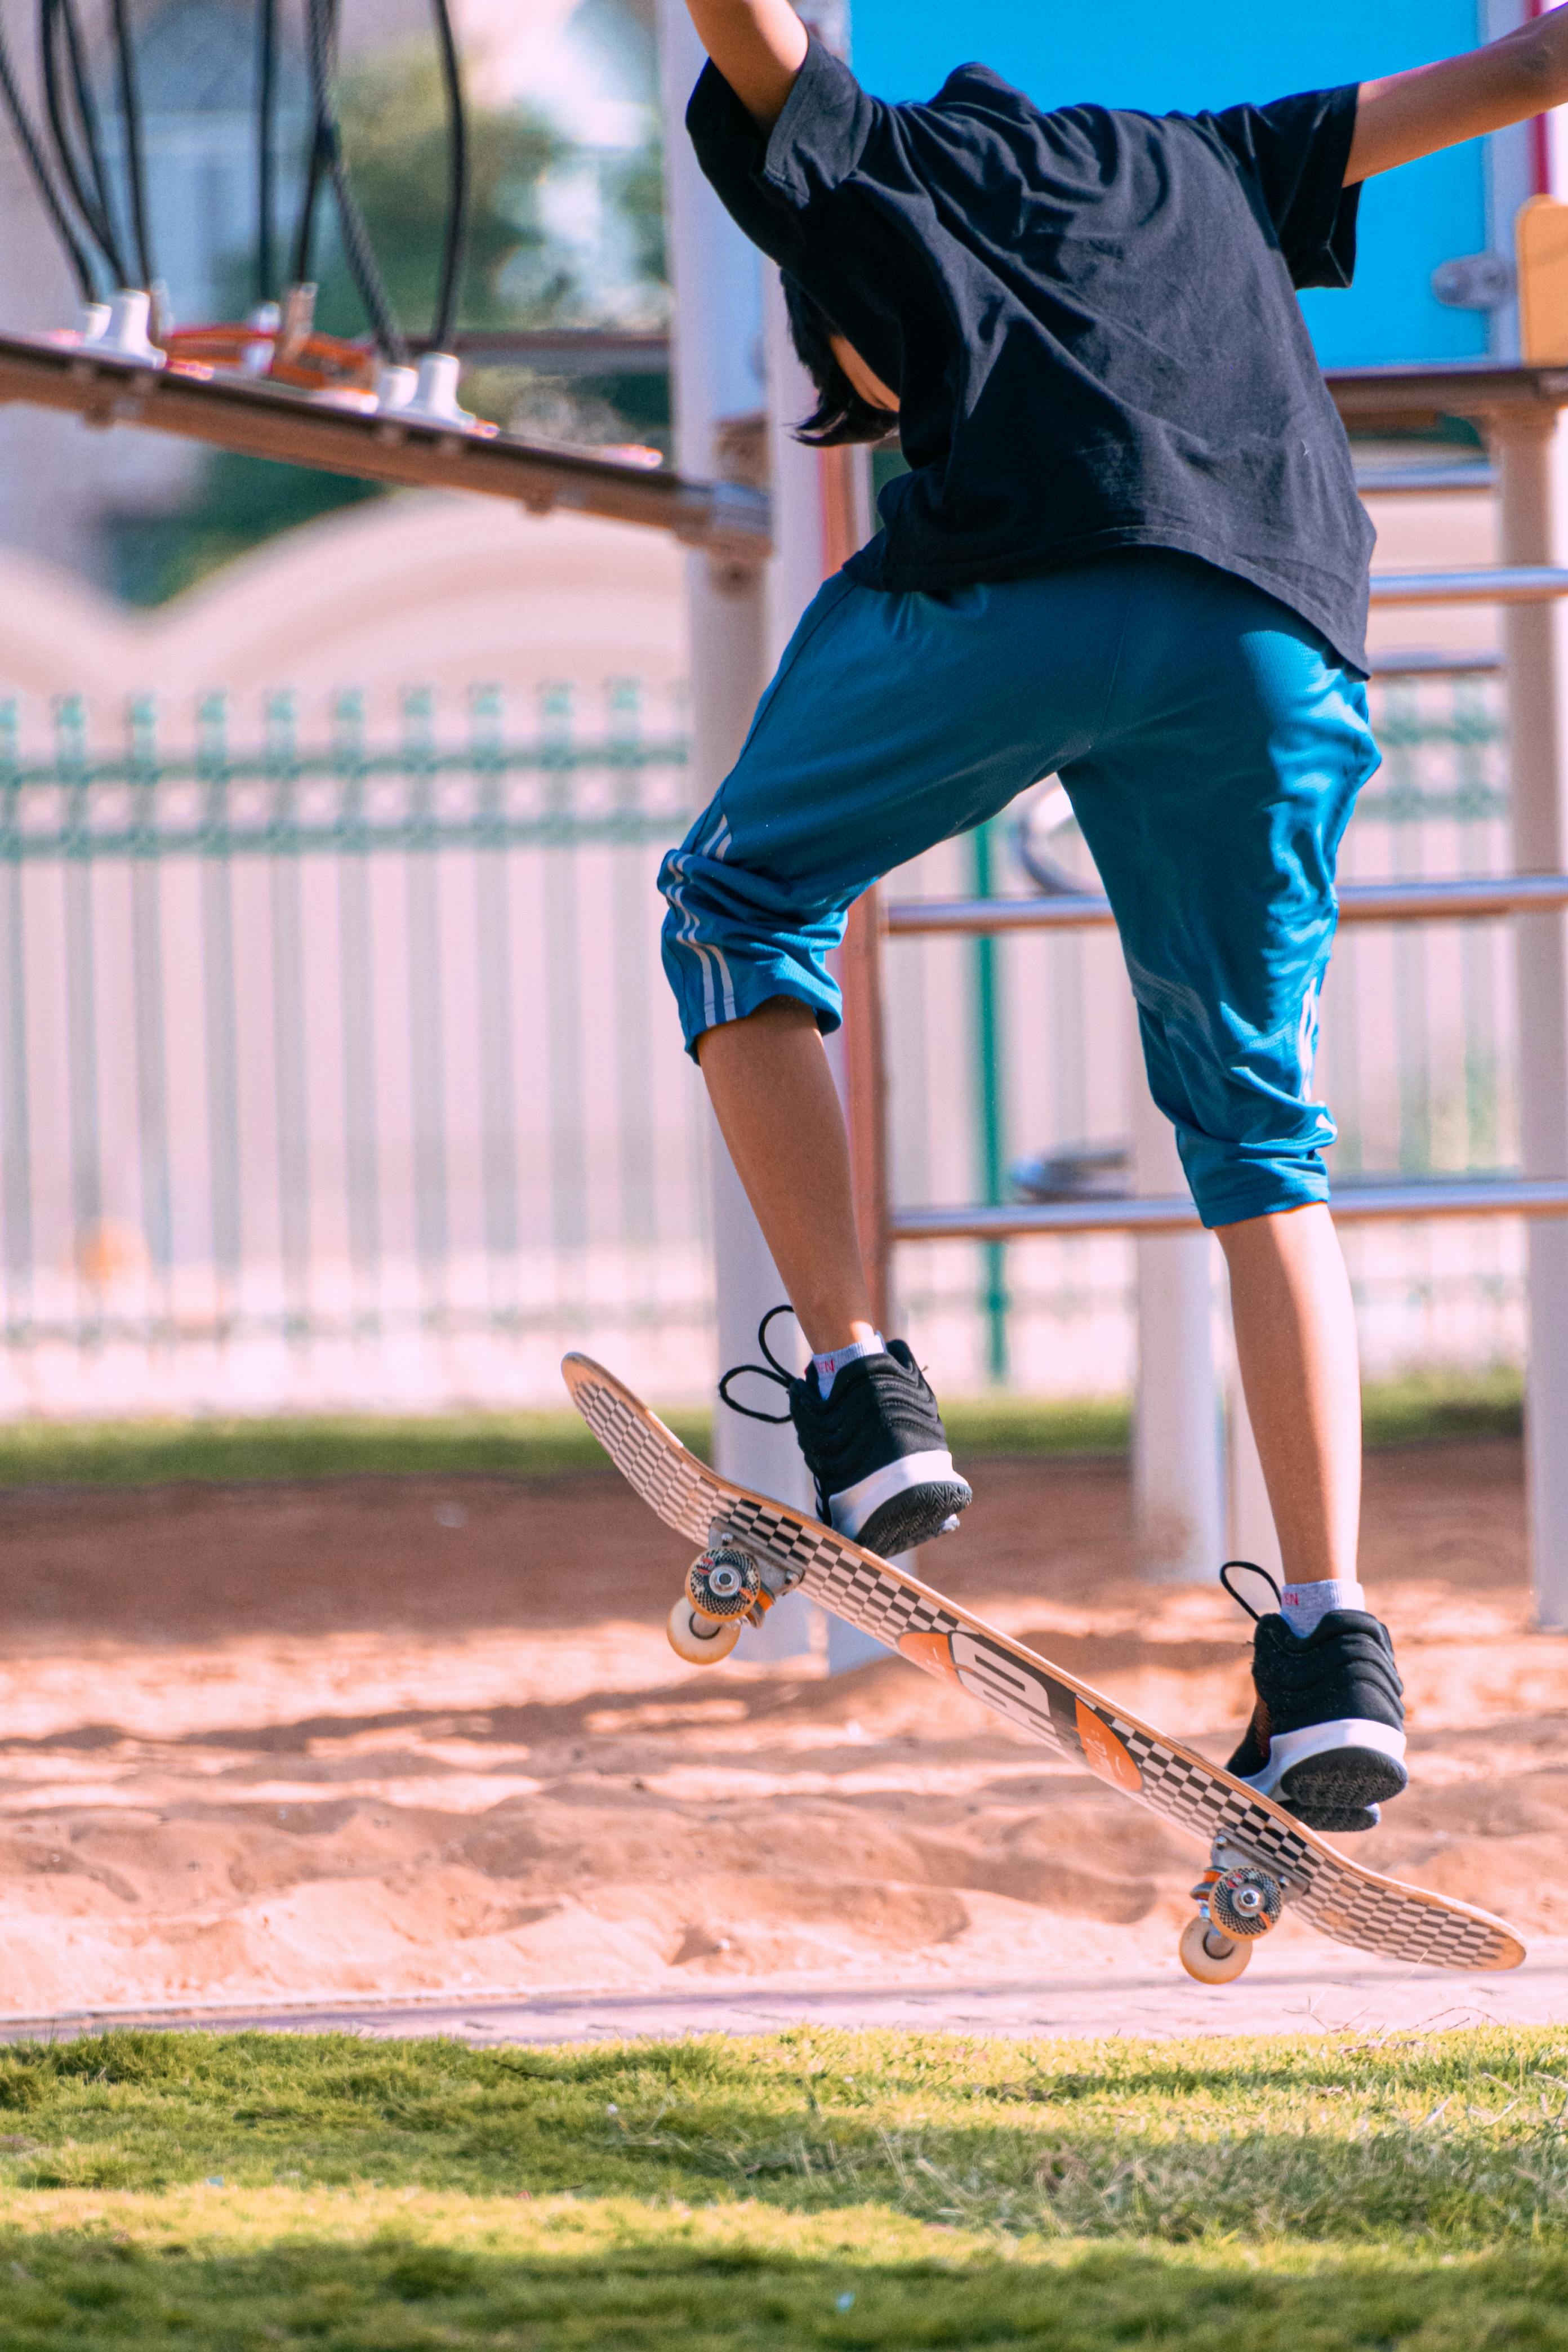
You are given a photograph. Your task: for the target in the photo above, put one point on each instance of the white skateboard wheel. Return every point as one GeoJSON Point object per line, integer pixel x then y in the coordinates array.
{"type": "Point", "coordinates": [700, 1641]}
{"type": "Point", "coordinates": [1208, 1955]}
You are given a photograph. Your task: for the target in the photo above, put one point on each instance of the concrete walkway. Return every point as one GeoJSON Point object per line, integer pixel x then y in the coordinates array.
{"type": "Point", "coordinates": [1277, 1995]}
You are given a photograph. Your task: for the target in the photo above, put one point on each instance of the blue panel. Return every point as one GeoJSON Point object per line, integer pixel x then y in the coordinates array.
{"type": "Point", "coordinates": [1212, 53]}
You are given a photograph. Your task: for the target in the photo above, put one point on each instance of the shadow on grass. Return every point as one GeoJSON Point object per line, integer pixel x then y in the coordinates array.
{"type": "Point", "coordinates": [706, 2292]}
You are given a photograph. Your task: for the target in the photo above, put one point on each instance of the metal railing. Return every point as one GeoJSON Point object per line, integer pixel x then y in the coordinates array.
{"type": "Point", "coordinates": [1473, 899]}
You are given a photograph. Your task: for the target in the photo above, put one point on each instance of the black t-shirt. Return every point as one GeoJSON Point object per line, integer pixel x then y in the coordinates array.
{"type": "Point", "coordinates": [1088, 316]}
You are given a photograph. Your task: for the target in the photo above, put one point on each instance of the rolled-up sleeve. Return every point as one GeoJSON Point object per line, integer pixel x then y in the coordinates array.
{"type": "Point", "coordinates": [1295, 152]}
{"type": "Point", "coordinates": [769, 183]}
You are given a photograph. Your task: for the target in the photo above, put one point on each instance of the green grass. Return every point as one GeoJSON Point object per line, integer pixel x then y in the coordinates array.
{"type": "Point", "coordinates": [810, 2188]}
{"type": "Point", "coordinates": [158, 1452]}
{"type": "Point", "coordinates": [1427, 1407]}
{"type": "Point", "coordinates": [1420, 1408]}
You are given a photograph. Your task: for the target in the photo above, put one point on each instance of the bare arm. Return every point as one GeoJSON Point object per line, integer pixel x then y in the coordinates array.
{"type": "Point", "coordinates": [1413, 114]}
{"type": "Point", "coordinates": [759, 47]}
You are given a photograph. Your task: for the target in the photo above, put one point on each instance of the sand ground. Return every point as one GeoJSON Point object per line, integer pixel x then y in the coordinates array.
{"type": "Point", "coordinates": [412, 1737]}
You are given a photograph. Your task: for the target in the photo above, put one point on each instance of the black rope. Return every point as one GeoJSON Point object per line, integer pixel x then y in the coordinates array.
{"type": "Point", "coordinates": [135, 161]}
{"type": "Point", "coordinates": [91, 128]}
{"type": "Point", "coordinates": [300, 273]}
{"type": "Point", "coordinates": [452, 255]}
{"type": "Point", "coordinates": [327, 161]}
{"type": "Point", "coordinates": [55, 20]}
{"type": "Point", "coordinates": [28, 141]}
{"type": "Point", "coordinates": [266, 137]}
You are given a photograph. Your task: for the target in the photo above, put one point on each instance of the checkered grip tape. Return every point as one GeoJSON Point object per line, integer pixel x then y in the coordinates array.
{"type": "Point", "coordinates": [1341, 1900]}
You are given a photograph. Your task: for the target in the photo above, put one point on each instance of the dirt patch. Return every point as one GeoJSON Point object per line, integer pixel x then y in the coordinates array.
{"type": "Point", "coordinates": [400, 1735]}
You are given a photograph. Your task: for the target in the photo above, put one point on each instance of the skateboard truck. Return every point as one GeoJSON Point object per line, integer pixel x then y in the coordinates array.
{"type": "Point", "coordinates": [1238, 1900]}
{"type": "Point", "coordinates": [726, 1587]}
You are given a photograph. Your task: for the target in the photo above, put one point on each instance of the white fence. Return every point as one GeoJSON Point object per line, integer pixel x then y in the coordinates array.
{"type": "Point", "coordinates": [336, 1071]}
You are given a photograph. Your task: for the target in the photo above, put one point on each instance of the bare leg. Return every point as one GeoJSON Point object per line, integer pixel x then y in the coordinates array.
{"type": "Point", "coordinates": [1296, 1342]}
{"type": "Point", "coordinates": [778, 1110]}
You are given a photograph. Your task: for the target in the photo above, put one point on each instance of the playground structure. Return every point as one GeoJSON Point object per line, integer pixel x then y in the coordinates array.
{"type": "Point", "coordinates": [755, 559]}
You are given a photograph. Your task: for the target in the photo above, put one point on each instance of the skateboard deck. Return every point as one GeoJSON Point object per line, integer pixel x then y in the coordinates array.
{"type": "Point", "coordinates": [1340, 1897]}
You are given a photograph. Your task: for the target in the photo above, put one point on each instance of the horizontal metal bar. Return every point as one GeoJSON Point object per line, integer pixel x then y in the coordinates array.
{"type": "Point", "coordinates": [1491, 1196]}
{"type": "Point", "coordinates": [267, 421]}
{"type": "Point", "coordinates": [1515, 583]}
{"type": "Point", "coordinates": [1481, 899]}
{"type": "Point", "coordinates": [1436, 664]}
{"type": "Point", "coordinates": [560, 351]}
{"type": "Point", "coordinates": [1413, 398]}
{"type": "Point", "coordinates": [1424, 481]}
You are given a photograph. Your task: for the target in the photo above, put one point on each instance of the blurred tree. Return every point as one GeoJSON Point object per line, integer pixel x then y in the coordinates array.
{"type": "Point", "coordinates": [393, 117]}
{"type": "Point", "coordinates": [393, 121]}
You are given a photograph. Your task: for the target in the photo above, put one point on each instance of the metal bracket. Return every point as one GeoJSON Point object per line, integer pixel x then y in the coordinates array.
{"type": "Point", "coordinates": [1230, 1852]}
{"type": "Point", "coordinates": [776, 1582]}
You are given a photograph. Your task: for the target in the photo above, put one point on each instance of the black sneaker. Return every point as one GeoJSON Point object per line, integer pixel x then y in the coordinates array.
{"type": "Point", "coordinates": [1327, 1735]}
{"type": "Point", "coordinates": [875, 1446]}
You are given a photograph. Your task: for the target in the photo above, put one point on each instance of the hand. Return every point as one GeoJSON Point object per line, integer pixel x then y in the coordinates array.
{"type": "Point", "coordinates": [1413, 114]}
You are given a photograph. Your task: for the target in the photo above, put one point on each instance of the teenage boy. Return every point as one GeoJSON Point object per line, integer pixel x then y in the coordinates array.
{"type": "Point", "coordinates": [1129, 551]}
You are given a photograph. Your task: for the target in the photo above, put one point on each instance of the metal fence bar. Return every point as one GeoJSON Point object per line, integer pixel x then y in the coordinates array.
{"type": "Point", "coordinates": [1491, 1196]}
{"type": "Point", "coordinates": [427, 1020]}
{"type": "Point", "coordinates": [1424, 481]}
{"type": "Point", "coordinates": [290, 1045]}
{"type": "Point", "coordinates": [1477, 899]}
{"type": "Point", "coordinates": [80, 1002]}
{"type": "Point", "coordinates": [493, 950]}
{"type": "Point", "coordinates": [1509, 583]}
{"type": "Point", "coordinates": [147, 981]}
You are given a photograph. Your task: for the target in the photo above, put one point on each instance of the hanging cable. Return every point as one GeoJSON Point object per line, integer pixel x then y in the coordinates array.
{"type": "Point", "coordinates": [91, 128]}
{"type": "Point", "coordinates": [327, 161]}
{"type": "Point", "coordinates": [265, 137]}
{"type": "Point", "coordinates": [448, 288]}
{"type": "Point", "coordinates": [32, 148]}
{"type": "Point", "coordinates": [85, 181]}
{"type": "Point", "coordinates": [130, 120]}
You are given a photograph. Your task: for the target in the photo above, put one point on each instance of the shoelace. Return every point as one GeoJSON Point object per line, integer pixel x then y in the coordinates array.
{"type": "Point", "coordinates": [779, 1374]}
{"type": "Point", "coordinates": [1253, 1570]}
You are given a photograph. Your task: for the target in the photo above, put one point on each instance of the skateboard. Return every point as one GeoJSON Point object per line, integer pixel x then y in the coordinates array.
{"type": "Point", "coordinates": [1262, 1861]}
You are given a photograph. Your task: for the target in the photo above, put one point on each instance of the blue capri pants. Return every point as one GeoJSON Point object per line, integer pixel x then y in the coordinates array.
{"type": "Point", "coordinates": [1211, 745]}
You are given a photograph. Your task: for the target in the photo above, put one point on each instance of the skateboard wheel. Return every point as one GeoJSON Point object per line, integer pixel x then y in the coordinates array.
{"type": "Point", "coordinates": [1209, 1956]}
{"type": "Point", "coordinates": [1243, 1903]}
{"type": "Point", "coordinates": [723, 1582]}
{"type": "Point", "coordinates": [700, 1641]}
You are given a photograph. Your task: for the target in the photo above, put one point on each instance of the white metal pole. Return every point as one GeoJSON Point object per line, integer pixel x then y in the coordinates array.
{"type": "Point", "coordinates": [1178, 1490]}
{"type": "Point", "coordinates": [1533, 459]}
{"type": "Point", "coordinates": [716, 377]}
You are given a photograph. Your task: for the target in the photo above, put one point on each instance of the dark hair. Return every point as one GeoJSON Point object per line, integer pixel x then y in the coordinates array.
{"type": "Point", "coordinates": [841, 413]}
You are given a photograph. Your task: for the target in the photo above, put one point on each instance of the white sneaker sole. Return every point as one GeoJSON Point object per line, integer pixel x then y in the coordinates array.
{"type": "Point", "coordinates": [1289, 1748]}
{"type": "Point", "coordinates": [854, 1507]}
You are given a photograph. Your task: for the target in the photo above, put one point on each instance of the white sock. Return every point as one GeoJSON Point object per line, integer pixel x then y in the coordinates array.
{"type": "Point", "coordinates": [1303, 1606]}
{"type": "Point", "coordinates": [828, 1367]}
